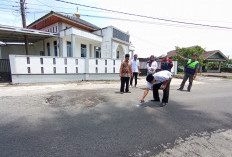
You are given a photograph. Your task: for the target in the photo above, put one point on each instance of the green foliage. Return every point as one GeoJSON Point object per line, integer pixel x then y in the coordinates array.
{"type": "Point", "coordinates": [225, 64]}
{"type": "Point", "coordinates": [179, 70]}
{"type": "Point", "coordinates": [187, 53]}
{"type": "Point", "coordinates": [230, 61]}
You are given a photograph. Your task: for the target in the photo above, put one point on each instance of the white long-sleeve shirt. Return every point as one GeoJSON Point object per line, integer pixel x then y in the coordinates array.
{"type": "Point", "coordinates": [160, 77]}
{"type": "Point", "coordinates": [149, 68]}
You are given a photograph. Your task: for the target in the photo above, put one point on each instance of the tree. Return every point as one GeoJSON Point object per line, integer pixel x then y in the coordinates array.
{"type": "Point", "coordinates": [187, 53]}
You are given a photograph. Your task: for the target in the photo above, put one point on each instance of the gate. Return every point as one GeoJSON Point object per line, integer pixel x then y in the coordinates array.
{"type": "Point", "coordinates": [5, 75]}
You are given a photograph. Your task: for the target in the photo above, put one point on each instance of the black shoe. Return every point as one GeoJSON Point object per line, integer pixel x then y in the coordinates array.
{"type": "Point", "coordinates": [153, 100]}
{"type": "Point", "coordinates": [188, 90]}
{"type": "Point", "coordinates": [163, 104]}
{"type": "Point", "coordinates": [180, 89]}
{"type": "Point", "coordinates": [121, 92]}
{"type": "Point", "coordinates": [128, 92]}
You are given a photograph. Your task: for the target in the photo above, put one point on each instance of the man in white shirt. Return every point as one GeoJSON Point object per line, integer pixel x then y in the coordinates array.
{"type": "Point", "coordinates": [135, 69]}
{"type": "Point", "coordinates": [159, 80]}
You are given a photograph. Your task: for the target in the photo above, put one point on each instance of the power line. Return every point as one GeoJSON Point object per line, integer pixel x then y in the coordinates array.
{"type": "Point", "coordinates": [120, 19]}
{"type": "Point", "coordinates": [51, 6]}
{"type": "Point", "coordinates": [143, 22]}
{"type": "Point", "coordinates": [42, 4]}
{"type": "Point", "coordinates": [149, 17]}
{"type": "Point", "coordinates": [8, 9]}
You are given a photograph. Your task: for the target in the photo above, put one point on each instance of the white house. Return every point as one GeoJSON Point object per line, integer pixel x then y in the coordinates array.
{"type": "Point", "coordinates": [63, 48]}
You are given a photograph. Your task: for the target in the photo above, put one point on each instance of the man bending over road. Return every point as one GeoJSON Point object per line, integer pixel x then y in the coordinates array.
{"type": "Point", "coordinates": [159, 80]}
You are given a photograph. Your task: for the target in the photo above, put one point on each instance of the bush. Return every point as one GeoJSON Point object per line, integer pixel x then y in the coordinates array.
{"type": "Point", "coordinates": [226, 70]}
{"type": "Point", "coordinates": [180, 70]}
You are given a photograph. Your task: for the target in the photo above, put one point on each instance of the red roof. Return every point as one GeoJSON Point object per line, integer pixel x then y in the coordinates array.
{"type": "Point", "coordinates": [54, 17]}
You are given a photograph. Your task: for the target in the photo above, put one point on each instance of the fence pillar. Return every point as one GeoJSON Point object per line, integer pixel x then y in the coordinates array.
{"type": "Point", "coordinates": [73, 45]}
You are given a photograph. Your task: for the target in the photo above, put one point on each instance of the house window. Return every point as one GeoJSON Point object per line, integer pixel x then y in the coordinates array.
{"type": "Point", "coordinates": [41, 60]}
{"type": "Point", "coordinates": [55, 48]}
{"type": "Point", "coordinates": [83, 50]}
{"type": "Point", "coordinates": [54, 70]}
{"type": "Point", "coordinates": [42, 70]}
{"type": "Point", "coordinates": [76, 69]}
{"type": "Point", "coordinates": [69, 52]}
{"type": "Point", "coordinates": [48, 49]}
{"type": "Point", "coordinates": [97, 51]}
{"type": "Point", "coordinates": [53, 29]}
{"type": "Point", "coordinates": [28, 70]}
{"type": "Point", "coordinates": [65, 61]}
{"type": "Point", "coordinates": [28, 60]}
{"type": "Point", "coordinates": [54, 61]}
{"type": "Point", "coordinates": [56, 28]}
{"type": "Point", "coordinates": [117, 54]}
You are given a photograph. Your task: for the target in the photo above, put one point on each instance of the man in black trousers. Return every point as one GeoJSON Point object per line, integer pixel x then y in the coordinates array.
{"type": "Point", "coordinates": [159, 80]}
{"type": "Point", "coordinates": [125, 74]}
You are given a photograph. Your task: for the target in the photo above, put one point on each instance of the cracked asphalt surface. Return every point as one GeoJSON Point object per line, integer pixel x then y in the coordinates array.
{"type": "Point", "coordinates": [75, 121]}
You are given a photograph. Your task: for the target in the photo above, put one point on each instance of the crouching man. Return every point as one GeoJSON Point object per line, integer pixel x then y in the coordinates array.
{"type": "Point", "coordinates": [159, 80]}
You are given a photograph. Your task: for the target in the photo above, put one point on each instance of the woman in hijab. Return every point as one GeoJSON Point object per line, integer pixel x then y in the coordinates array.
{"type": "Point", "coordinates": [151, 65]}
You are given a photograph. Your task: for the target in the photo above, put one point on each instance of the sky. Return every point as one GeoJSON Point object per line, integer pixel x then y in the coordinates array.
{"type": "Point", "coordinates": [149, 36]}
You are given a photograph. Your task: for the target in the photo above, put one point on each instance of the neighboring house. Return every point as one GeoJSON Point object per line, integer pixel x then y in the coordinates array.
{"type": "Point", "coordinates": [208, 57]}
{"type": "Point", "coordinates": [212, 57]}
{"type": "Point", "coordinates": [172, 53]}
{"type": "Point", "coordinates": [74, 38]}
{"type": "Point", "coordinates": [62, 36]}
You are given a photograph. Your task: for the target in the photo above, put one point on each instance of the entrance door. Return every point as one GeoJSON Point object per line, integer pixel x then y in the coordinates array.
{"type": "Point", "coordinates": [120, 52]}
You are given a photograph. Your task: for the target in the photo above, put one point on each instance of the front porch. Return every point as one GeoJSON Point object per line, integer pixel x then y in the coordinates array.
{"type": "Point", "coordinates": [77, 43]}
{"type": "Point", "coordinates": [213, 61]}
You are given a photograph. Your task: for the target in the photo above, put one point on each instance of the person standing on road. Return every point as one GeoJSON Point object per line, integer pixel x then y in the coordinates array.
{"type": "Point", "coordinates": [190, 71]}
{"type": "Point", "coordinates": [166, 63]}
{"type": "Point", "coordinates": [125, 74]}
{"type": "Point", "coordinates": [151, 65]}
{"type": "Point", "coordinates": [159, 80]}
{"type": "Point", "coordinates": [135, 69]}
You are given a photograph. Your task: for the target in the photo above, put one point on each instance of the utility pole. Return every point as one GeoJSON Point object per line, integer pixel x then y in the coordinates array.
{"type": "Point", "coordinates": [22, 4]}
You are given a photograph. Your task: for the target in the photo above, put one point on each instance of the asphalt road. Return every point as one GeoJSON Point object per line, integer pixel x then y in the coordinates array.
{"type": "Point", "coordinates": [104, 123]}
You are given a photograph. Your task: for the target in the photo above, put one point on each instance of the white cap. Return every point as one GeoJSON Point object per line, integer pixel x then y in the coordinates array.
{"type": "Point", "coordinates": [163, 55]}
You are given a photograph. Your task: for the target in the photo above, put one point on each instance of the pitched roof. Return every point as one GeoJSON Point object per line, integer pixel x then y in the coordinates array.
{"type": "Point", "coordinates": [207, 54]}
{"type": "Point", "coordinates": [79, 20]}
{"type": "Point", "coordinates": [204, 56]}
{"type": "Point", "coordinates": [66, 17]}
{"type": "Point", "coordinates": [173, 52]}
